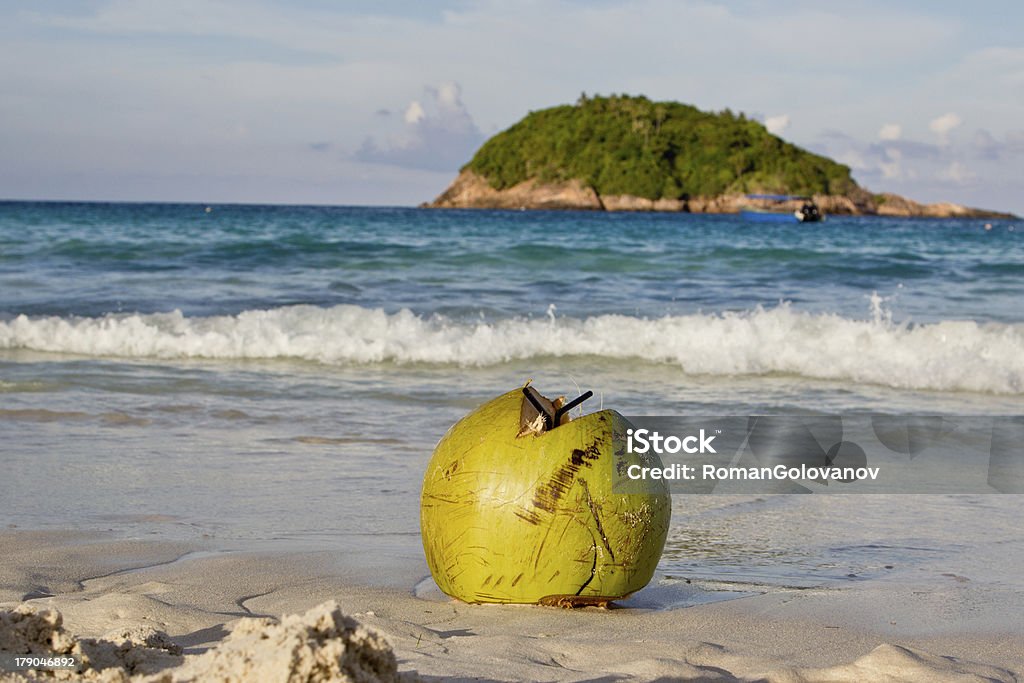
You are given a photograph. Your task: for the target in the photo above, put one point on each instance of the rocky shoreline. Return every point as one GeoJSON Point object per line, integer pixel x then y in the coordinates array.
{"type": "Point", "coordinates": [472, 191]}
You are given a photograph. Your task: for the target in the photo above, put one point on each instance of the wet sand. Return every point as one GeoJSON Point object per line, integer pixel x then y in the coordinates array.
{"type": "Point", "coordinates": [944, 629]}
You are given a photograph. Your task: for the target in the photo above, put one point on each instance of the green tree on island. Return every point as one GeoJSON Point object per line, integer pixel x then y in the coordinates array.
{"type": "Point", "coordinates": [622, 145]}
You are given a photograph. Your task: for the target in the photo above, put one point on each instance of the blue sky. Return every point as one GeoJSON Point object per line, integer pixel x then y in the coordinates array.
{"type": "Point", "coordinates": [380, 102]}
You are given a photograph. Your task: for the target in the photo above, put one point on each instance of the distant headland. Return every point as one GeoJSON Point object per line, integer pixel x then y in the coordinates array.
{"type": "Point", "coordinates": [623, 153]}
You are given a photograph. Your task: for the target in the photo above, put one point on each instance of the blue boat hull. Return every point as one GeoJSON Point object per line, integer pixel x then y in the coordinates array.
{"type": "Point", "coordinates": [768, 217]}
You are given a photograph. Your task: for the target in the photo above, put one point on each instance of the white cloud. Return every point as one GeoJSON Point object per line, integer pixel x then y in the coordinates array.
{"type": "Point", "coordinates": [449, 96]}
{"type": "Point", "coordinates": [852, 158]}
{"type": "Point", "coordinates": [944, 125]}
{"type": "Point", "coordinates": [414, 113]}
{"type": "Point", "coordinates": [890, 131]}
{"type": "Point", "coordinates": [777, 124]}
{"type": "Point", "coordinates": [970, 170]}
{"type": "Point", "coordinates": [1015, 138]}
{"type": "Point", "coordinates": [957, 173]}
{"type": "Point", "coordinates": [891, 167]}
{"type": "Point", "coordinates": [439, 136]}
{"type": "Point", "coordinates": [985, 146]}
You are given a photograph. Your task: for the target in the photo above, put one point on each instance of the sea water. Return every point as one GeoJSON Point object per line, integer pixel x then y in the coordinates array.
{"type": "Point", "coordinates": [277, 376]}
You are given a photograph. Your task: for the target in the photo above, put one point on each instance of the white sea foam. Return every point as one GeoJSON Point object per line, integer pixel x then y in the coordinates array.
{"type": "Point", "coordinates": [946, 356]}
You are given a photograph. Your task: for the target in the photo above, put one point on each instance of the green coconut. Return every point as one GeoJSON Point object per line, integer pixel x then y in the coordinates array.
{"type": "Point", "coordinates": [518, 507]}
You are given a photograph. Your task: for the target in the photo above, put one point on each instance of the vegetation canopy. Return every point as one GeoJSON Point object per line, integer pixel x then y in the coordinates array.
{"type": "Point", "coordinates": [631, 145]}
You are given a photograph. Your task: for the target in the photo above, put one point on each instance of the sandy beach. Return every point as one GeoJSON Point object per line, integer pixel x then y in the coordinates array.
{"type": "Point", "coordinates": [672, 629]}
{"type": "Point", "coordinates": [262, 409]}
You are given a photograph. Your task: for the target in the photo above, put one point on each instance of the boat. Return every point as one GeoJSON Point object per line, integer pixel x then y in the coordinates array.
{"type": "Point", "coordinates": [774, 208]}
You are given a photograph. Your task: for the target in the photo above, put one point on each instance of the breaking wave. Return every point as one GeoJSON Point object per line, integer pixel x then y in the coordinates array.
{"type": "Point", "coordinates": [946, 356]}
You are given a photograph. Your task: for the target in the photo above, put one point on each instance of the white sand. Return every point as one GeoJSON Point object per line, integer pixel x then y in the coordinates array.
{"type": "Point", "coordinates": [321, 645]}
{"type": "Point", "coordinates": [123, 594]}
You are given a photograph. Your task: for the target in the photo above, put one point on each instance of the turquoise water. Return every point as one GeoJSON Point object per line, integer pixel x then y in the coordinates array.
{"type": "Point", "coordinates": [262, 375]}
{"type": "Point", "coordinates": [95, 259]}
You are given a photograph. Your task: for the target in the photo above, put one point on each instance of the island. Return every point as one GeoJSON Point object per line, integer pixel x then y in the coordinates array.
{"type": "Point", "coordinates": [628, 153]}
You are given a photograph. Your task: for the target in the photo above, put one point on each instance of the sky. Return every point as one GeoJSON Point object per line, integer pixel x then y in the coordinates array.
{"type": "Point", "coordinates": [380, 103]}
